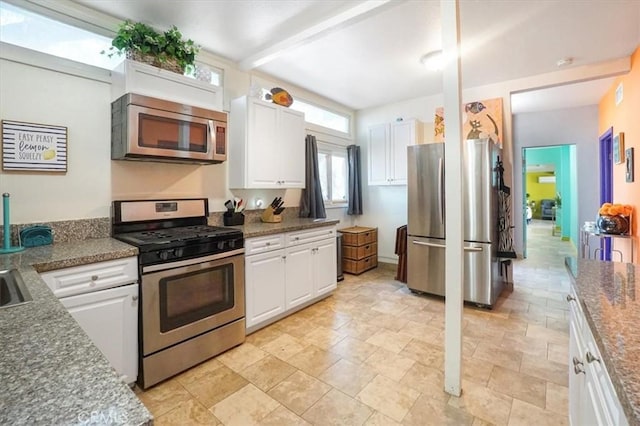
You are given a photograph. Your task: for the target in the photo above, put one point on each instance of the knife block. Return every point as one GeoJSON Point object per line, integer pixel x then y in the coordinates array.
{"type": "Point", "coordinates": [269, 217]}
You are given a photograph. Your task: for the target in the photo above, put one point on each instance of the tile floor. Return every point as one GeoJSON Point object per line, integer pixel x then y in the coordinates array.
{"type": "Point", "coordinates": [372, 354]}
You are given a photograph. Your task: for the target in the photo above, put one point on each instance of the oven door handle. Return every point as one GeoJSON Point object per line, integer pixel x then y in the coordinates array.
{"type": "Point", "coordinates": [189, 262]}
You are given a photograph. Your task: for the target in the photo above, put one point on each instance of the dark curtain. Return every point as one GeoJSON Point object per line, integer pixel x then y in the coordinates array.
{"type": "Point", "coordinates": [355, 185]}
{"type": "Point", "coordinates": [311, 203]}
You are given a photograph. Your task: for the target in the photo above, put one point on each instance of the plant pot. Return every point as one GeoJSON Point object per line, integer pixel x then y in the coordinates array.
{"type": "Point", "coordinates": [614, 225]}
{"type": "Point", "coordinates": [169, 64]}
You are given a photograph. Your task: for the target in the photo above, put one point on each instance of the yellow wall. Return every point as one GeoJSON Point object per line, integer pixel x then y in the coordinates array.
{"type": "Point", "coordinates": [624, 118]}
{"type": "Point", "coordinates": [539, 191]}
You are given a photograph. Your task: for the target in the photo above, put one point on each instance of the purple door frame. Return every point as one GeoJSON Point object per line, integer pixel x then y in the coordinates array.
{"type": "Point", "coordinates": [606, 183]}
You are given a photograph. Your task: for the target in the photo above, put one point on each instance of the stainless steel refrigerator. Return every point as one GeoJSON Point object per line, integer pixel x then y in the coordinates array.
{"type": "Point", "coordinates": [427, 217]}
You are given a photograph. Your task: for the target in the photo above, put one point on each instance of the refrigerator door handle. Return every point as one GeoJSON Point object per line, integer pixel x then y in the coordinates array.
{"type": "Point", "coordinates": [473, 249]}
{"type": "Point", "coordinates": [440, 188]}
{"type": "Point", "coordinates": [420, 243]}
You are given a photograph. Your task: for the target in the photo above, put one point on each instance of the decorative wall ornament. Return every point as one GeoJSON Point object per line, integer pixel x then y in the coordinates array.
{"type": "Point", "coordinates": [618, 148]}
{"type": "Point", "coordinates": [628, 157]}
{"type": "Point", "coordinates": [480, 120]}
{"type": "Point", "coordinates": [33, 147]}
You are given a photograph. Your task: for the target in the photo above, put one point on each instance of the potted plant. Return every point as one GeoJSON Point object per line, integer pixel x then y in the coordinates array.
{"type": "Point", "coordinates": [167, 50]}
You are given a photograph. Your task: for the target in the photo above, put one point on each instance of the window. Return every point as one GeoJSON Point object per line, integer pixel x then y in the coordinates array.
{"type": "Point", "coordinates": [332, 165]}
{"type": "Point", "coordinates": [321, 116]}
{"type": "Point", "coordinates": [37, 32]}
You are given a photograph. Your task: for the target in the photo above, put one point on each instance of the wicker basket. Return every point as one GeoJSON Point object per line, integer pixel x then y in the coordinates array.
{"type": "Point", "coordinates": [169, 64]}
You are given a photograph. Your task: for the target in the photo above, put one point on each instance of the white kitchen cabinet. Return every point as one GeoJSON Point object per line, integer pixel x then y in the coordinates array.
{"type": "Point", "coordinates": [266, 145]}
{"type": "Point", "coordinates": [103, 298]}
{"type": "Point", "coordinates": [388, 144]}
{"type": "Point", "coordinates": [265, 283]}
{"type": "Point", "coordinates": [110, 318]}
{"type": "Point", "coordinates": [592, 397]}
{"type": "Point", "coordinates": [281, 281]}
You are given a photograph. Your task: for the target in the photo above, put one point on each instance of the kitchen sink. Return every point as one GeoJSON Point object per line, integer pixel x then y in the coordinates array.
{"type": "Point", "coordinates": [12, 289]}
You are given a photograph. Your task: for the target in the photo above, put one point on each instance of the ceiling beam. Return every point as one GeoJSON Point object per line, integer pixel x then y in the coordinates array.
{"type": "Point", "coordinates": [277, 48]}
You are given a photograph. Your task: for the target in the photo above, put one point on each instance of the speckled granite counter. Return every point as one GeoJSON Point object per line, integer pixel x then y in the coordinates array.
{"type": "Point", "coordinates": [259, 229]}
{"type": "Point", "coordinates": [50, 371]}
{"type": "Point", "coordinates": [610, 296]}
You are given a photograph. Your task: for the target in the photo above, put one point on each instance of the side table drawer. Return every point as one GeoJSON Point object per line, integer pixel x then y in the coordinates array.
{"type": "Point", "coordinates": [359, 266]}
{"type": "Point", "coordinates": [257, 245]}
{"type": "Point", "coordinates": [361, 238]}
{"type": "Point", "coordinates": [360, 252]}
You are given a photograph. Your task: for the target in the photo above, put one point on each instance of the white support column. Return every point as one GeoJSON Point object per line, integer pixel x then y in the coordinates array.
{"type": "Point", "coordinates": [454, 272]}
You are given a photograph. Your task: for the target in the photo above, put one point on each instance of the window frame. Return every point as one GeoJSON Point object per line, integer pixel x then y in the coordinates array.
{"type": "Point", "coordinates": [332, 150]}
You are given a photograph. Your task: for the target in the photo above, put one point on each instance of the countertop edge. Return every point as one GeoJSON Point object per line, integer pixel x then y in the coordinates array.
{"type": "Point", "coordinates": [260, 229]}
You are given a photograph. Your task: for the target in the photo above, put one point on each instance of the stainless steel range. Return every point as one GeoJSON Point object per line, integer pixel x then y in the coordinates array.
{"type": "Point", "coordinates": [191, 283]}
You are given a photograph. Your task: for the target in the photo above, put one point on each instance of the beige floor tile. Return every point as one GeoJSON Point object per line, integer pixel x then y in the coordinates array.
{"type": "Point", "coordinates": [389, 340]}
{"type": "Point", "coordinates": [558, 353]}
{"type": "Point", "coordinates": [390, 398]}
{"type": "Point", "coordinates": [332, 319]}
{"type": "Point", "coordinates": [348, 377]}
{"type": "Point", "coordinates": [263, 336]}
{"type": "Point", "coordinates": [550, 335]}
{"type": "Point", "coordinates": [284, 346]}
{"type": "Point", "coordinates": [518, 385]}
{"type": "Point", "coordinates": [479, 330]}
{"type": "Point", "coordinates": [476, 370]}
{"type": "Point", "coordinates": [497, 355]}
{"type": "Point", "coordinates": [241, 356]}
{"type": "Point", "coordinates": [545, 369]}
{"type": "Point", "coordinates": [199, 371]}
{"type": "Point", "coordinates": [557, 399]}
{"type": "Point", "coordinates": [424, 332]}
{"type": "Point", "coordinates": [389, 364]}
{"type": "Point", "coordinates": [436, 412]}
{"type": "Point", "coordinates": [477, 421]}
{"type": "Point", "coordinates": [323, 337]}
{"type": "Point", "coordinates": [299, 391]}
{"type": "Point", "coordinates": [215, 386]}
{"type": "Point", "coordinates": [379, 419]}
{"type": "Point", "coordinates": [248, 406]}
{"type": "Point", "coordinates": [525, 414]}
{"type": "Point", "coordinates": [389, 307]}
{"type": "Point", "coordinates": [489, 405]}
{"type": "Point", "coordinates": [424, 353]}
{"type": "Point", "coordinates": [188, 413]}
{"type": "Point", "coordinates": [281, 416]}
{"type": "Point", "coordinates": [336, 408]}
{"type": "Point", "coordinates": [427, 380]}
{"type": "Point", "coordinates": [295, 326]}
{"type": "Point", "coordinates": [313, 360]}
{"type": "Point", "coordinates": [267, 372]}
{"type": "Point", "coordinates": [389, 322]}
{"type": "Point", "coordinates": [353, 349]}
{"type": "Point", "coordinates": [164, 397]}
{"type": "Point", "coordinates": [359, 329]}
{"type": "Point", "coordinates": [524, 344]}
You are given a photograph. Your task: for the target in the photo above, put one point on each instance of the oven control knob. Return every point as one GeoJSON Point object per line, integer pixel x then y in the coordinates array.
{"type": "Point", "coordinates": [232, 243]}
{"type": "Point", "coordinates": [165, 254]}
{"type": "Point", "coordinates": [220, 245]}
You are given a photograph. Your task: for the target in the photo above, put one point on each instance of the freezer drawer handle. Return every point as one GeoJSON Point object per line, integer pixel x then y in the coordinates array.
{"type": "Point", "coordinates": [420, 243]}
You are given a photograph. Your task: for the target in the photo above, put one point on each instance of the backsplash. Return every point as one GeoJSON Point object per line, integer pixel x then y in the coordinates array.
{"type": "Point", "coordinates": [69, 230]}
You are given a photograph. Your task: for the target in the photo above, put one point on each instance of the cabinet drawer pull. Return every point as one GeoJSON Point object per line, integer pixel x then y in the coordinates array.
{"type": "Point", "coordinates": [367, 247]}
{"type": "Point", "coordinates": [94, 277]}
{"type": "Point", "coordinates": [134, 298]}
{"type": "Point", "coordinates": [590, 357]}
{"type": "Point", "coordinates": [268, 243]}
{"type": "Point", "coordinates": [296, 238]}
{"type": "Point", "coordinates": [578, 369]}
{"type": "Point", "coordinates": [576, 361]}
{"type": "Point", "coordinates": [570, 298]}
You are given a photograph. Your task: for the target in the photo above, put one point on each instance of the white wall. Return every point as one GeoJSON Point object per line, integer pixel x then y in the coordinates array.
{"type": "Point", "coordinates": [38, 88]}
{"type": "Point", "coordinates": [577, 126]}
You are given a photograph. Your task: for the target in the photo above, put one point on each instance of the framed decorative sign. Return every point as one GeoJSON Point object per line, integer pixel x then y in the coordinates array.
{"type": "Point", "coordinates": [33, 147]}
{"type": "Point", "coordinates": [628, 158]}
{"type": "Point", "coordinates": [618, 148]}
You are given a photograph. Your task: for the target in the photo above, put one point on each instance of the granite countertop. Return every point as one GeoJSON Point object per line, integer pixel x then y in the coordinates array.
{"type": "Point", "coordinates": [260, 229]}
{"type": "Point", "coordinates": [609, 293]}
{"type": "Point", "coordinates": [51, 372]}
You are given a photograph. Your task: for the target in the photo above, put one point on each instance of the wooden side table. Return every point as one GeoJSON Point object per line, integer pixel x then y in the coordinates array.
{"type": "Point", "coordinates": [359, 249]}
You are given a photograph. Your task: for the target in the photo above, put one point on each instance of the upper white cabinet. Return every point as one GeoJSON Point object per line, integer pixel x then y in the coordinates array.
{"type": "Point", "coordinates": [388, 144]}
{"type": "Point", "coordinates": [136, 77]}
{"type": "Point", "coordinates": [266, 145]}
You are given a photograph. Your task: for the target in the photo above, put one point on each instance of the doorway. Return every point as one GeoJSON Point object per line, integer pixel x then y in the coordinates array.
{"type": "Point", "coordinates": [549, 188]}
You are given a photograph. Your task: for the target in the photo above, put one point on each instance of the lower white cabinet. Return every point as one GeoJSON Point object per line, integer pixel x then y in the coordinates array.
{"type": "Point", "coordinates": [592, 398]}
{"type": "Point", "coordinates": [283, 280]}
{"type": "Point", "coordinates": [110, 318]}
{"type": "Point", "coordinates": [103, 299]}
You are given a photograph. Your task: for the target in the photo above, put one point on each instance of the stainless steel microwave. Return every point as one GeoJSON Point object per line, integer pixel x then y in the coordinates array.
{"type": "Point", "coordinates": [150, 129]}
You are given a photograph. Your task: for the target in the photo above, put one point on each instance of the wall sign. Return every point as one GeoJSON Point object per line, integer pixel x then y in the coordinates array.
{"type": "Point", "coordinates": [618, 148]}
{"type": "Point", "coordinates": [33, 147]}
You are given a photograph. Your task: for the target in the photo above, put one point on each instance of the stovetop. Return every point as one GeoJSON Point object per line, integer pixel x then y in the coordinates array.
{"type": "Point", "coordinates": [186, 234]}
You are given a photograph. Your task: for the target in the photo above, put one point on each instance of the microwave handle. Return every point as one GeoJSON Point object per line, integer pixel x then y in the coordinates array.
{"type": "Point", "coordinates": [212, 137]}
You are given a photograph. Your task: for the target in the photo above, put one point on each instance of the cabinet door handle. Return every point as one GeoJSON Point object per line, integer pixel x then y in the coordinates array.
{"type": "Point", "coordinates": [134, 298]}
{"type": "Point", "coordinates": [94, 278]}
{"type": "Point", "coordinates": [576, 361]}
{"type": "Point", "coordinates": [570, 298]}
{"type": "Point", "coordinates": [267, 243]}
{"type": "Point", "coordinates": [590, 357]}
{"type": "Point", "coordinates": [284, 258]}
{"type": "Point", "coordinates": [578, 369]}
